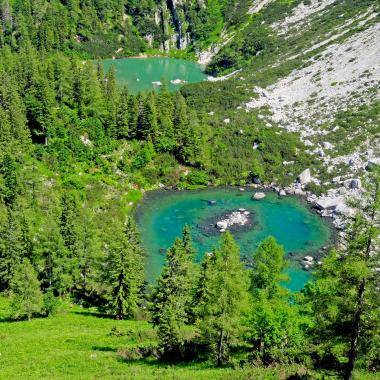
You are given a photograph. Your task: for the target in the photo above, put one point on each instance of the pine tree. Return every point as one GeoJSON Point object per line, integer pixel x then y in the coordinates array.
{"type": "Point", "coordinates": [39, 101]}
{"type": "Point", "coordinates": [345, 302]}
{"type": "Point", "coordinates": [8, 169]}
{"type": "Point", "coordinates": [125, 272]}
{"type": "Point", "coordinates": [275, 323]}
{"type": "Point", "coordinates": [16, 245]}
{"type": "Point", "coordinates": [224, 299]}
{"type": "Point", "coordinates": [26, 295]}
{"type": "Point", "coordinates": [112, 99]}
{"type": "Point", "coordinates": [69, 228]}
{"type": "Point", "coordinates": [133, 109]}
{"type": "Point", "coordinates": [89, 258]}
{"type": "Point", "coordinates": [53, 255]}
{"type": "Point", "coordinates": [13, 107]}
{"type": "Point", "coordinates": [171, 299]}
{"type": "Point", "coordinates": [268, 264]}
{"type": "Point", "coordinates": [147, 121]}
{"type": "Point", "coordinates": [122, 118]}
{"type": "Point", "coordinates": [165, 140]}
{"type": "Point", "coordinates": [6, 138]}
{"type": "Point", "coordinates": [275, 328]}
{"type": "Point", "coordinates": [186, 127]}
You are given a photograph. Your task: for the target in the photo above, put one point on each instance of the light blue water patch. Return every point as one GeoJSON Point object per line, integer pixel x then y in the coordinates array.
{"type": "Point", "coordinates": [143, 74]}
{"type": "Point", "coordinates": [162, 215]}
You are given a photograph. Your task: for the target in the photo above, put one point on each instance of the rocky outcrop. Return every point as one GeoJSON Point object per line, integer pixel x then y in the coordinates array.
{"type": "Point", "coordinates": [236, 218]}
{"type": "Point", "coordinates": [307, 262]}
{"type": "Point", "coordinates": [353, 183]}
{"type": "Point", "coordinates": [305, 177]}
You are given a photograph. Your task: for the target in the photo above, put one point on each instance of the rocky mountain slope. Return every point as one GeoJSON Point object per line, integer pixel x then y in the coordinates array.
{"type": "Point", "coordinates": [320, 80]}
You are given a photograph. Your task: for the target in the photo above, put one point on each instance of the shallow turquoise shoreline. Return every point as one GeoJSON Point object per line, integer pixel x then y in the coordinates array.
{"type": "Point", "coordinates": [162, 214]}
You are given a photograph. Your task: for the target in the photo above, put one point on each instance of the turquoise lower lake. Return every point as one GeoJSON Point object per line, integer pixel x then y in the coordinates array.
{"type": "Point", "coordinates": [162, 215]}
{"type": "Point", "coordinates": [143, 74]}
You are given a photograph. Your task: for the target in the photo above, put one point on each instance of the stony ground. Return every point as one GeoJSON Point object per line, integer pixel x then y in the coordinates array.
{"type": "Point", "coordinates": [343, 74]}
{"type": "Point", "coordinates": [340, 72]}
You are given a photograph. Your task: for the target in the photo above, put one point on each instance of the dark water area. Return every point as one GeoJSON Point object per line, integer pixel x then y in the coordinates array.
{"type": "Point", "coordinates": [162, 215]}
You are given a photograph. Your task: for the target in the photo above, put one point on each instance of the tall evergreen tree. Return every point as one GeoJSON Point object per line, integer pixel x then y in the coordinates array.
{"type": "Point", "coordinates": [275, 323]}
{"type": "Point", "coordinates": [171, 299]}
{"type": "Point", "coordinates": [147, 121]}
{"type": "Point", "coordinates": [224, 299]}
{"type": "Point", "coordinates": [268, 264]}
{"type": "Point", "coordinates": [133, 110]}
{"type": "Point", "coordinates": [11, 188]}
{"type": "Point", "coordinates": [165, 140]}
{"type": "Point", "coordinates": [122, 118]}
{"type": "Point", "coordinates": [26, 295]}
{"type": "Point", "coordinates": [125, 272]}
{"type": "Point", "coordinates": [15, 246]}
{"type": "Point", "coordinates": [69, 228]}
{"type": "Point", "coordinates": [345, 297]}
{"type": "Point", "coordinates": [112, 99]}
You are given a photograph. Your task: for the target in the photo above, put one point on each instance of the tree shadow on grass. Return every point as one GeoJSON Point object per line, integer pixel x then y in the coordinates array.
{"type": "Point", "coordinates": [8, 319]}
{"type": "Point", "coordinates": [158, 364]}
{"type": "Point", "coordinates": [88, 313]}
{"type": "Point", "coordinates": [104, 348]}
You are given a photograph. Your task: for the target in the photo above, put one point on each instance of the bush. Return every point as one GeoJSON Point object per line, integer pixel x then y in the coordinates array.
{"type": "Point", "coordinates": [197, 178]}
{"type": "Point", "coordinates": [136, 353]}
{"type": "Point", "coordinates": [51, 303]}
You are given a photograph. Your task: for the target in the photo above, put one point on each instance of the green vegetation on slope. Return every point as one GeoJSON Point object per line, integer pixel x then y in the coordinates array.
{"type": "Point", "coordinates": [76, 152]}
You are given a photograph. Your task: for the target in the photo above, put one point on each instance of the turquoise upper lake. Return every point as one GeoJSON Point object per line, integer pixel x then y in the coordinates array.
{"type": "Point", "coordinates": [141, 74]}
{"type": "Point", "coordinates": [162, 215]}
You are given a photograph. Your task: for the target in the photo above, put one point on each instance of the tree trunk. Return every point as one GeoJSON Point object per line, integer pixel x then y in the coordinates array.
{"type": "Point", "coordinates": [220, 349]}
{"type": "Point", "coordinates": [358, 313]}
{"type": "Point", "coordinates": [355, 332]}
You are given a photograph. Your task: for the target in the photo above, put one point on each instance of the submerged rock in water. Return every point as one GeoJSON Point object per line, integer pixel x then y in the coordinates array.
{"type": "Point", "coordinates": [236, 218]}
{"type": "Point", "coordinates": [258, 196]}
{"type": "Point", "coordinates": [178, 81]}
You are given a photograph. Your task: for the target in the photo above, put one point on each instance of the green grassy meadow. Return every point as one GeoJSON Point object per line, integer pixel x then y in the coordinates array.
{"type": "Point", "coordinates": [83, 344]}
{"type": "Point", "coordinates": [79, 344]}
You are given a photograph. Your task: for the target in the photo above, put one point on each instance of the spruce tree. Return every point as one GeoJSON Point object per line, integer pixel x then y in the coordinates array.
{"type": "Point", "coordinates": [147, 120]}
{"type": "Point", "coordinates": [69, 228]}
{"type": "Point", "coordinates": [125, 272]}
{"type": "Point", "coordinates": [275, 323]}
{"type": "Point", "coordinates": [344, 299]}
{"type": "Point", "coordinates": [11, 188]}
{"type": "Point", "coordinates": [16, 245]}
{"type": "Point", "coordinates": [122, 118]}
{"type": "Point", "coordinates": [172, 297]}
{"type": "Point", "coordinates": [165, 140]}
{"type": "Point", "coordinates": [223, 300]}
{"type": "Point", "coordinates": [267, 265]}
{"type": "Point", "coordinates": [26, 295]}
{"type": "Point", "coordinates": [133, 109]}
{"type": "Point", "coordinates": [112, 100]}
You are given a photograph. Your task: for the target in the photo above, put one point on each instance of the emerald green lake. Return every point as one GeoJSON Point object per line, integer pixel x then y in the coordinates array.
{"type": "Point", "coordinates": [162, 215]}
{"type": "Point", "coordinates": [139, 74]}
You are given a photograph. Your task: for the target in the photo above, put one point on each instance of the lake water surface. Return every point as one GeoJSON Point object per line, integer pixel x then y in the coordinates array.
{"type": "Point", "coordinates": [162, 215]}
{"type": "Point", "coordinates": [139, 74]}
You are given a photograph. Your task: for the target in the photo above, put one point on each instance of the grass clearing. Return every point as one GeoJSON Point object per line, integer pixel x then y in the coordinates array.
{"type": "Point", "coordinates": [83, 344]}
{"type": "Point", "coordinates": [78, 344]}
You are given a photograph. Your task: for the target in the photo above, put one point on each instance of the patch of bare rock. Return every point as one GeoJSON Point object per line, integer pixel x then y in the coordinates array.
{"type": "Point", "coordinates": [235, 218]}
